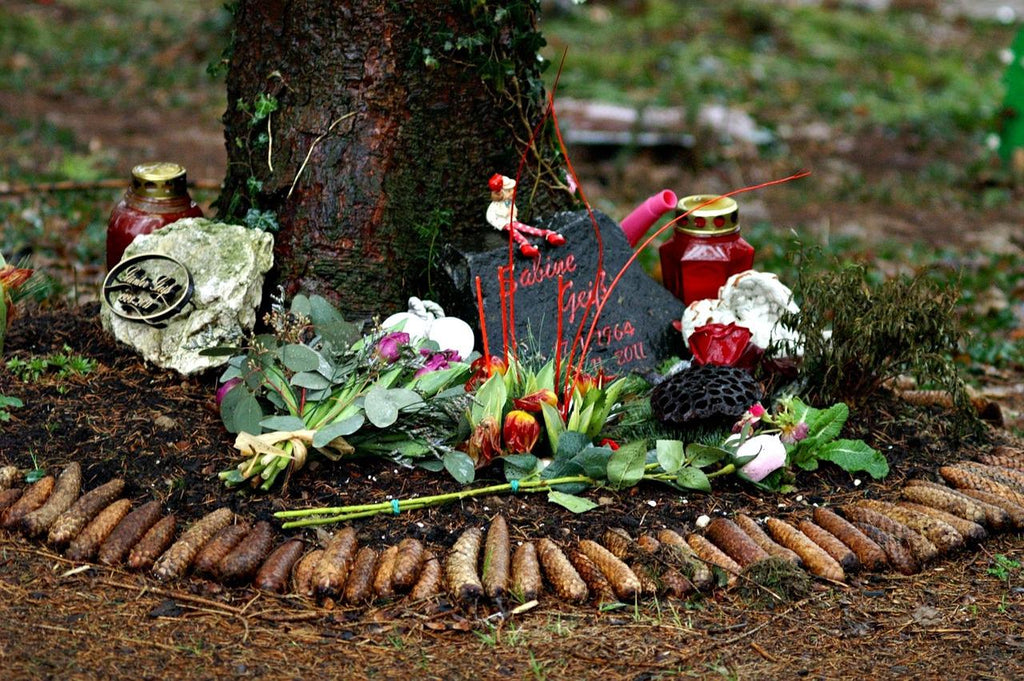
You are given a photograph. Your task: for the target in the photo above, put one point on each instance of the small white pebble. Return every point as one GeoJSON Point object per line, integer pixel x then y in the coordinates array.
{"type": "Point", "coordinates": [703, 521]}
{"type": "Point", "coordinates": [799, 497]}
{"type": "Point", "coordinates": [652, 503]}
{"type": "Point", "coordinates": [856, 482]}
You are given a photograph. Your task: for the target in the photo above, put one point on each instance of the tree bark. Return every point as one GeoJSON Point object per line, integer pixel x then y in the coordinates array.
{"type": "Point", "coordinates": [389, 119]}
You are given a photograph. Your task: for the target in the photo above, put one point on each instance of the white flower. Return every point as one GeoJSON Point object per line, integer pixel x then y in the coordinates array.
{"type": "Point", "coordinates": [769, 455]}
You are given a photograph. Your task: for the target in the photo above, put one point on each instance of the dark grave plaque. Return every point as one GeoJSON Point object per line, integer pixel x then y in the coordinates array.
{"type": "Point", "coordinates": [635, 328]}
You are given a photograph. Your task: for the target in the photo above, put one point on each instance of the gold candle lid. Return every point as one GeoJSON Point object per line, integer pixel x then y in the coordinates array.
{"type": "Point", "coordinates": [159, 180]}
{"type": "Point", "coordinates": [721, 216]}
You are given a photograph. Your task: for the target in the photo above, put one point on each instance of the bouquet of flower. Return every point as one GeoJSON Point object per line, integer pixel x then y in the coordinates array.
{"type": "Point", "coordinates": [317, 383]}
{"type": "Point", "coordinates": [521, 412]}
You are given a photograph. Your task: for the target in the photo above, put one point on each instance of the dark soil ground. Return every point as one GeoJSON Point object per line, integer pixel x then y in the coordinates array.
{"type": "Point", "coordinates": [161, 433]}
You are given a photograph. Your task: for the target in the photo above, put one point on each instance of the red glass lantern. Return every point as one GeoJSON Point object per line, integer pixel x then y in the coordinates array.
{"type": "Point", "coordinates": [158, 196]}
{"type": "Point", "coordinates": [705, 250]}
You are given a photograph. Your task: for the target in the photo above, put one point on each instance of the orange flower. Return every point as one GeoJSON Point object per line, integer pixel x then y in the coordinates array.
{"type": "Point", "coordinates": [483, 368]}
{"type": "Point", "coordinates": [521, 431]}
{"type": "Point", "coordinates": [485, 442]}
{"type": "Point", "coordinates": [532, 402]}
{"type": "Point", "coordinates": [12, 277]}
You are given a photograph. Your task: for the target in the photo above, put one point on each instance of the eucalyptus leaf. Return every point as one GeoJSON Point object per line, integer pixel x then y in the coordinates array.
{"type": "Point", "coordinates": [338, 429]}
{"type": "Point", "coordinates": [403, 398]}
{"type": "Point", "coordinates": [331, 324]}
{"type": "Point", "coordinates": [460, 466]}
{"type": "Point", "coordinates": [282, 422]}
{"type": "Point", "coordinates": [247, 414]}
{"type": "Point", "coordinates": [297, 357]}
{"type": "Point", "coordinates": [310, 380]}
{"type": "Point", "coordinates": [571, 501]}
{"type": "Point", "coordinates": [670, 454]}
{"type": "Point", "coordinates": [626, 465]}
{"type": "Point", "coordinates": [227, 406]}
{"type": "Point", "coordinates": [432, 465]}
{"type": "Point", "coordinates": [693, 478]}
{"type": "Point", "coordinates": [219, 351]}
{"type": "Point", "coordinates": [381, 410]}
{"type": "Point", "coordinates": [300, 305]}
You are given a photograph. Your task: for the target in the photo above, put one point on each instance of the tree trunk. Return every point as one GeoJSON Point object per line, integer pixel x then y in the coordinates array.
{"type": "Point", "coordinates": [370, 128]}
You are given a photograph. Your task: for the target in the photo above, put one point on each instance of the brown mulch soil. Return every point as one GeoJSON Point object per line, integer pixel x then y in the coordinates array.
{"type": "Point", "coordinates": [161, 433]}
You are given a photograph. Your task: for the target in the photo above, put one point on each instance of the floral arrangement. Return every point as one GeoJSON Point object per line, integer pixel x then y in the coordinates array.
{"type": "Point", "coordinates": [317, 383]}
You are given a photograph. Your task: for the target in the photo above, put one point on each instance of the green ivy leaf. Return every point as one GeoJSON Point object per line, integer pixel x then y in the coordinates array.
{"type": "Point", "coordinates": [459, 466]}
{"type": "Point", "coordinates": [693, 478]}
{"type": "Point", "coordinates": [669, 454]}
{"type": "Point", "coordinates": [626, 465]}
{"type": "Point", "coordinates": [853, 456]}
{"type": "Point", "coordinates": [571, 501]}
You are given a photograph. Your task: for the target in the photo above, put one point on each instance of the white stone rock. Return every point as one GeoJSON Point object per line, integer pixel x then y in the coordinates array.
{"type": "Point", "coordinates": [228, 264]}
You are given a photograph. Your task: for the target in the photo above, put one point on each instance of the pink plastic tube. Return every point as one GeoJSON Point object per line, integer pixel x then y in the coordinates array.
{"type": "Point", "coordinates": [646, 214]}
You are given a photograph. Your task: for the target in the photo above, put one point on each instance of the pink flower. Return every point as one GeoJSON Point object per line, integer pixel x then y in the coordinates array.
{"type": "Point", "coordinates": [792, 434]}
{"type": "Point", "coordinates": [769, 455]}
{"type": "Point", "coordinates": [389, 348]}
{"type": "Point", "coordinates": [751, 418]}
{"type": "Point", "coordinates": [226, 388]}
{"type": "Point", "coordinates": [437, 360]}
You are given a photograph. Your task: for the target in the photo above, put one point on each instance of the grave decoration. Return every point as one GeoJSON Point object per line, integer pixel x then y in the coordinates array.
{"type": "Point", "coordinates": [192, 285]}
{"type": "Point", "coordinates": [557, 292]}
{"type": "Point", "coordinates": [316, 382]}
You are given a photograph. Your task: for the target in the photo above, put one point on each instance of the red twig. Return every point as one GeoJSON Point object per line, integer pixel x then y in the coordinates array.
{"type": "Point", "coordinates": [483, 320]}
{"type": "Point", "coordinates": [504, 312]}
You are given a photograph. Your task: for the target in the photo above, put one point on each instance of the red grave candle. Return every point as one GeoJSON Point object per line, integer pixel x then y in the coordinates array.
{"type": "Point", "coordinates": [705, 250]}
{"type": "Point", "coordinates": [158, 196]}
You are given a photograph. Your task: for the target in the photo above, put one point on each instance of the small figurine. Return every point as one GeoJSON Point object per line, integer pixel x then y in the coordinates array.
{"type": "Point", "coordinates": [501, 214]}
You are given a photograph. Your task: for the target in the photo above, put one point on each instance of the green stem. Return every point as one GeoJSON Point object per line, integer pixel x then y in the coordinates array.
{"type": "Point", "coordinates": [724, 470]}
{"type": "Point", "coordinates": [324, 516]}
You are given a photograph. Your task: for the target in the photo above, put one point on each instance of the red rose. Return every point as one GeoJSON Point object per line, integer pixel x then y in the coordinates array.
{"type": "Point", "coordinates": [724, 345]}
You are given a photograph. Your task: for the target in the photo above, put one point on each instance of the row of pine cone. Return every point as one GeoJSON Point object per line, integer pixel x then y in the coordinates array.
{"type": "Point", "coordinates": [930, 520]}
